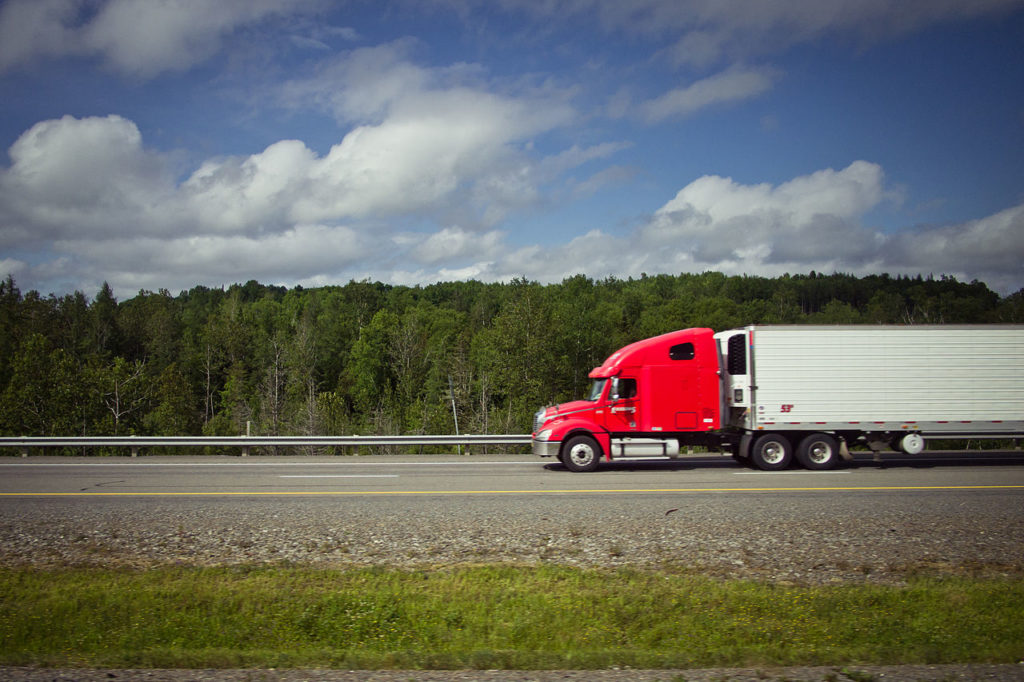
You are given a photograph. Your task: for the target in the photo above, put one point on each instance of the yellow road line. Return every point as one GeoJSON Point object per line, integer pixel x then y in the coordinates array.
{"type": "Point", "coordinates": [567, 491]}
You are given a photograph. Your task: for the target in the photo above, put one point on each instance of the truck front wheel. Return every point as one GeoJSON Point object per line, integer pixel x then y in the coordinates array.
{"type": "Point", "coordinates": [771, 452]}
{"type": "Point", "coordinates": [818, 451]}
{"type": "Point", "coordinates": [581, 453]}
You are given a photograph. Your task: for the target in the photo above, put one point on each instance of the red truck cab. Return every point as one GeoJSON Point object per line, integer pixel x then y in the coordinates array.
{"type": "Point", "coordinates": [647, 399]}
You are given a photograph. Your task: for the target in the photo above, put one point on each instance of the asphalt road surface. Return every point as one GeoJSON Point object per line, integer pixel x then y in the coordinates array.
{"type": "Point", "coordinates": [956, 475]}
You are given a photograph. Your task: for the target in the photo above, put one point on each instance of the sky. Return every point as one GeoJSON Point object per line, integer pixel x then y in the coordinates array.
{"type": "Point", "coordinates": [164, 144]}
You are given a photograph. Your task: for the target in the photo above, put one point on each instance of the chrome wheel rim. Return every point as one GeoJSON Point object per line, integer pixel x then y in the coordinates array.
{"type": "Point", "coordinates": [581, 454]}
{"type": "Point", "coordinates": [772, 453]}
{"type": "Point", "coordinates": [819, 452]}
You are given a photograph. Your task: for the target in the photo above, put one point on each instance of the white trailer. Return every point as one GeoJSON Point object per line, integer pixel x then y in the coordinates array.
{"type": "Point", "coordinates": [818, 389]}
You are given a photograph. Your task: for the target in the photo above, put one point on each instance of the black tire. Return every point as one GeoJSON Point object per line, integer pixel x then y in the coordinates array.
{"type": "Point", "coordinates": [771, 452]}
{"type": "Point", "coordinates": [818, 452]}
{"type": "Point", "coordinates": [581, 453]}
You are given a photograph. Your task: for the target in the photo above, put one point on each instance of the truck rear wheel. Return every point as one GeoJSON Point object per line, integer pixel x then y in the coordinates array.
{"type": "Point", "coordinates": [581, 453]}
{"type": "Point", "coordinates": [771, 452]}
{"type": "Point", "coordinates": [818, 451]}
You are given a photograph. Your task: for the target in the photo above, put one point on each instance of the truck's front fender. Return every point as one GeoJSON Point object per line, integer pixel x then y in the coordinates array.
{"type": "Point", "coordinates": [562, 431]}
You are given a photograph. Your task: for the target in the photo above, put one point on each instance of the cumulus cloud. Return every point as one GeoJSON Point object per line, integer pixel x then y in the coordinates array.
{"type": "Point", "coordinates": [140, 39]}
{"type": "Point", "coordinates": [429, 139]}
{"type": "Point", "coordinates": [452, 244]}
{"type": "Point", "coordinates": [307, 251]}
{"type": "Point", "coordinates": [101, 206]}
{"type": "Point", "coordinates": [249, 194]}
{"type": "Point", "coordinates": [381, 84]}
{"type": "Point", "coordinates": [435, 149]}
{"type": "Point", "coordinates": [91, 174]}
{"type": "Point", "coordinates": [717, 221]}
{"type": "Point", "coordinates": [989, 249]}
{"type": "Point", "coordinates": [89, 190]}
{"type": "Point", "coordinates": [812, 222]}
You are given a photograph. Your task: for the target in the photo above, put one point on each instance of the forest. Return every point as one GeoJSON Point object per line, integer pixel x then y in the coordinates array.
{"type": "Point", "coordinates": [370, 358]}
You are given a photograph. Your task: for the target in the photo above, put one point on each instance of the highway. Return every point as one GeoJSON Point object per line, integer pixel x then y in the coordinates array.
{"type": "Point", "coordinates": [944, 513]}
{"type": "Point", "coordinates": [493, 475]}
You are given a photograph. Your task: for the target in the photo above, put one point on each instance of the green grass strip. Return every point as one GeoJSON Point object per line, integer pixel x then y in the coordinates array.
{"type": "Point", "coordinates": [492, 617]}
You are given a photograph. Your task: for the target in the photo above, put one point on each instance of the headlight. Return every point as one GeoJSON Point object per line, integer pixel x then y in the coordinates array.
{"type": "Point", "coordinates": [544, 435]}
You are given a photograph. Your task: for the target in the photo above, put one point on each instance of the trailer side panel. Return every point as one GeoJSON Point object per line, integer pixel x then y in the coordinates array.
{"type": "Point", "coordinates": [917, 378]}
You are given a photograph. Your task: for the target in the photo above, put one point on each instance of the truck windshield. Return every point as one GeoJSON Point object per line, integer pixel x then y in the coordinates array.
{"type": "Point", "coordinates": [596, 389]}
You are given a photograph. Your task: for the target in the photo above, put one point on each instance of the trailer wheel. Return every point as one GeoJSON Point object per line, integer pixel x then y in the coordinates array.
{"type": "Point", "coordinates": [771, 452]}
{"type": "Point", "coordinates": [818, 451]}
{"type": "Point", "coordinates": [581, 453]}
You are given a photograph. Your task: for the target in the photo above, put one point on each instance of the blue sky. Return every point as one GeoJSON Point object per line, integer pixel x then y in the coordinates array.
{"type": "Point", "coordinates": [165, 144]}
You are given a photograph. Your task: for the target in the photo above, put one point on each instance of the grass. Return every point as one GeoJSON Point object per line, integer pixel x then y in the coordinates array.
{"type": "Point", "coordinates": [491, 617]}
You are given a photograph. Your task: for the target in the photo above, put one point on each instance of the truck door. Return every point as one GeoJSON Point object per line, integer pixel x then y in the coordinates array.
{"type": "Point", "coordinates": [623, 405]}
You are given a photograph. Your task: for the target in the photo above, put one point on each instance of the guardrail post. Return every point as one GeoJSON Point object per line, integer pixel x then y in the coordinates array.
{"type": "Point", "coordinates": [24, 452]}
{"type": "Point", "coordinates": [248, 433]}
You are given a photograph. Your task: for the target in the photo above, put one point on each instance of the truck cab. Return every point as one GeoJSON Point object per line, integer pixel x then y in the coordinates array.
{"type": "Point", "coordinates": [646, 400]}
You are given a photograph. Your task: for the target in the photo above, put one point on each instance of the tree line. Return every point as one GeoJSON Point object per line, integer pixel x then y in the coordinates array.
{"type": "Point", "coordinates": [370, 358]}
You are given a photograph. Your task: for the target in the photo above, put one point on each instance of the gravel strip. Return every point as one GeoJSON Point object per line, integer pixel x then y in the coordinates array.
{"type": "Point", "coordinates": [791, 540]}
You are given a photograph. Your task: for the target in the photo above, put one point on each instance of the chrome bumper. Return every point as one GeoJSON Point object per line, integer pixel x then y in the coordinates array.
{"type": "Point", "coordinates": [546, 448]}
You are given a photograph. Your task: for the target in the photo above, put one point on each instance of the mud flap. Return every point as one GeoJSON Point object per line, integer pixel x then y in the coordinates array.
{"type": "Point", "coordinates": [744, 449]}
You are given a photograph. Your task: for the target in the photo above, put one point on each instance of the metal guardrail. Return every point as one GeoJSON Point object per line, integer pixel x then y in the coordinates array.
{"type": "Point", "coordinates": [133, 443]}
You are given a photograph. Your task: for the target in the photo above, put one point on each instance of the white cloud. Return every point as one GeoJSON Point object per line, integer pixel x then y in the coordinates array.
{"type": "Point", "coordinates": [359, 86]}
{"type": "Point", "coordinates": [845, 194]}
{"type": "Point", "coordinates": [136, 38]}
{"type": "Point", "coordinates": [433, 140]}
{"type": "Point", "coordinates": [732, 85]}
{"type": "Point", "coordinates": [13, 267]}
{"type": "Point", "coordinates": [989, 249]}
{"type": "Point", "coordinates": [36, 28]}
{"type": "Point", "coordinates": [717, 221]}
{"type": "Point", "coordinates": [812, 222]}
{"type": "Point", "coordinates": [705, 32]}
{"type": "Point", "coordinates": [380, 84]}
{"type": "Point", "coordinates": [452, 244]}
{"type": "Point", "coordinates": [435, 152]}
{"type": "Point", "coordinates": [249, 194]}
{"type": "Point", "coordinates": [713, 29]}
{"type": "Point", "coordinates": [90, 174]}
{"type": "Point", "coordinates": [153, 263]}
{"type": "Point", "coordinates": [103, 207]}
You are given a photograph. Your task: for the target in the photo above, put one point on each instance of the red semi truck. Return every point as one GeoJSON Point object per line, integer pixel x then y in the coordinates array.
{"type": "Point", "coordinates": [775, 394]}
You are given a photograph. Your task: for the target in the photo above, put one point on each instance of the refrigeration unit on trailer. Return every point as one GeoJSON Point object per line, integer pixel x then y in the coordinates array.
{"type": "Point", "coordinates": [777, 393]}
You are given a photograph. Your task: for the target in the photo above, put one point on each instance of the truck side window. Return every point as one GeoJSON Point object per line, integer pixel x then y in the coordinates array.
{"type": "Point", "coordinates": [737, 354]}
{"type": "Point", "coordinates": [681, 351]}
{"type": "Point", "coordinates": [627, 388]}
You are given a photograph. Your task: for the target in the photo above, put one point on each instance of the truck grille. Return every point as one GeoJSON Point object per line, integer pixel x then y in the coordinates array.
{"type": "Point", "coordinates": [538, 418]}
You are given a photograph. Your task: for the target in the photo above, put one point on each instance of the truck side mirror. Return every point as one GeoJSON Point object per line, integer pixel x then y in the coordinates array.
{"type": "Point", "coordinates": [613, 394]}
